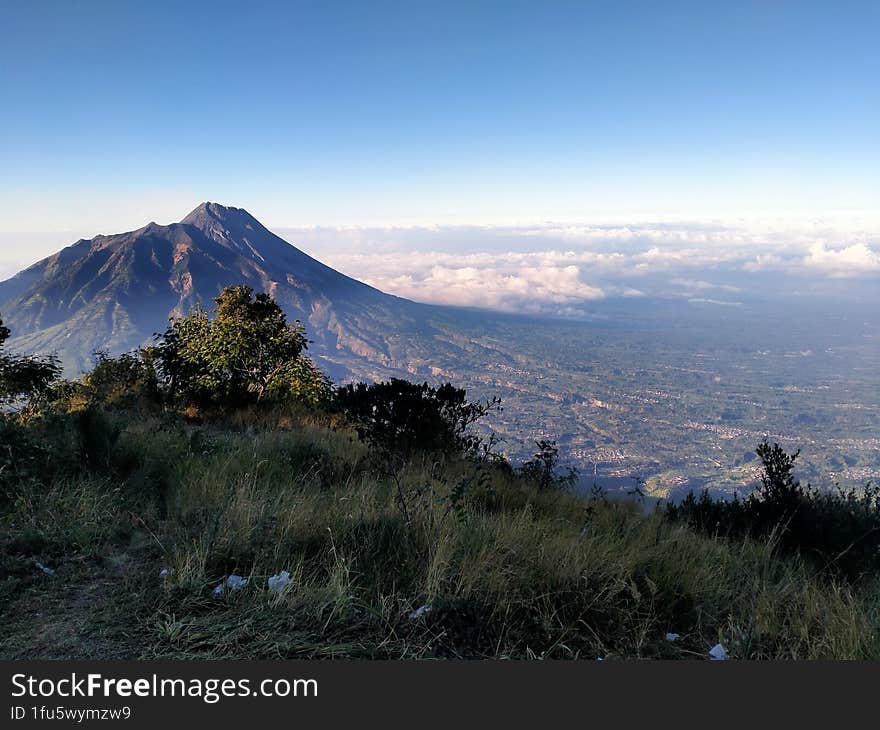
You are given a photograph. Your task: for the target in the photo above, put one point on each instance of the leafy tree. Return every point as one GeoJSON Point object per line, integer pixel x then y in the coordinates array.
{"type": "Point", "coordinates": [247, 352]}
{"type": "Point", "coordinates": [400, 417]}
{"type": "Point", "coordinates": [23, 377]}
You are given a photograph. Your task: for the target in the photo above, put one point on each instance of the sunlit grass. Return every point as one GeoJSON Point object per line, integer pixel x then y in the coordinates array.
{"type": "Point", "coordinates": [508, 571]}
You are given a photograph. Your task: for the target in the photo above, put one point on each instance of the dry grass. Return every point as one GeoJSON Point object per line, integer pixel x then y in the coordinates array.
{"type": "Point", "coordinates": [508, 571]}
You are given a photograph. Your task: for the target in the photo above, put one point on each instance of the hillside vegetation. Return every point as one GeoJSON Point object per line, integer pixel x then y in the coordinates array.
{"type": "Point", "coordinates": [216, 497]}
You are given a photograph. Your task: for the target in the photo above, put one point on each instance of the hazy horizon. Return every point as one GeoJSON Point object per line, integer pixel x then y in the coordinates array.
{"type": "Point", "coordinates": [565, 268]}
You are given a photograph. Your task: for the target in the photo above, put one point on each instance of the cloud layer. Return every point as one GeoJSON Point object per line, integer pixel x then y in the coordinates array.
{"type": "Point", "coordinates": [562, 269]}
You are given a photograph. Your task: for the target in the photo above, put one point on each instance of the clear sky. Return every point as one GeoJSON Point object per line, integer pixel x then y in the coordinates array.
{"type": "Point", "coordinates": [116, 113]}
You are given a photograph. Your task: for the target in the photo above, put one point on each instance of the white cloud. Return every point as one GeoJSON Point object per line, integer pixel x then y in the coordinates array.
{"type": "Point", "coordinates": [717, 302]}
{"type": "Point", "coordinates": [699, 285]}
{"type": "Point", "coordinates": [552, 268]}
{"type": "Point", "coordinates": [855, 260]}
{"type": "Point", "coordinates": [763, 262]}
{"type": "Point", "coordinates": [494, 284]}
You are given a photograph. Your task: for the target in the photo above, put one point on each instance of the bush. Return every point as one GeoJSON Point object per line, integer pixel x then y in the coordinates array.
{"type": "Point", "coordinates": [23, 377]}
{"type": "Point", "coordinates": [398, 417]}
{"type": "Point", "coordinates": [839, 530]}
{"type": "Point", "coordinates": [54, 446]}
{"type": "Point", "coordinates": [541, 471]}
{"type": "Point", "coordinates": [22, 457]}
{"type": "Point", "coordinates": [123, 381]}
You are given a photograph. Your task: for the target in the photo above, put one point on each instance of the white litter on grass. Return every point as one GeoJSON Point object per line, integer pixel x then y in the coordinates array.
{"type": "Point", "coordinates": [419, 612]}
{"type": "Point", "coordinates": [166, 572]}
{"type": "Point", "coordinates": [718, 653]}
{"type": "Point", "coordinates": [47, 571]}
{"type": "Point", "coordinates": [672, 636]}
{"type": "Point", "coordinates": [279, 580]}
{"type": "Point", "coordinates": [232, 582]}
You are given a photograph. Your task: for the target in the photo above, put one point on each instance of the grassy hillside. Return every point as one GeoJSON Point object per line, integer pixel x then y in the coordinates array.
{"type": "Point", "coordinates": [217, 496]}
{"type": "Point", "coordinates": [108, 500]}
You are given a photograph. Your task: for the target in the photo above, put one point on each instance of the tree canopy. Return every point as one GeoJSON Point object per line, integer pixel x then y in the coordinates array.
{"type": "Point", "coordinates": [24, 376]}
{"type": "Point", "coordinates": [400, 417]}
{"type": "Point", "coordinates": [246, 352]}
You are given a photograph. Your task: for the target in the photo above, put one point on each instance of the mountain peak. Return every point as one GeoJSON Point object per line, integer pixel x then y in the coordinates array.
{"type": "Point", "coordinates": [113, 292]}
{"type": "Point", "coordinates": [214, 212]}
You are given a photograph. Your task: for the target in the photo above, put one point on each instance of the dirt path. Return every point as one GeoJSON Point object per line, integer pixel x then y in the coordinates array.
{"type": "Point", "coordinates": [84, 611]}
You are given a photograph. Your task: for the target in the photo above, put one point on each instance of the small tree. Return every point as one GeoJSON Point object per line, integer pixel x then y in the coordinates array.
{"type": "Point", "coordinates": [247, 352]}
{"type": "Point", "coordinates": [780, 496]}
{"type": "Point", "coordinates": [24, 377]}
{"type": "Point", "coordinates": [778, 483]}
{"type": "Point", "coordinates": [541, 470]}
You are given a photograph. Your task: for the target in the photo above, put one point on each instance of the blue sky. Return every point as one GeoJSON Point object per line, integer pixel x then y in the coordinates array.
{"type": "Point", "coordinates": [420, 111]}
{"type": "Point", "coordinates": [116, 113]}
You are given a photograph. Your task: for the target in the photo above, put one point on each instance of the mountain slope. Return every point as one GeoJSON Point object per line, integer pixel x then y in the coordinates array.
{"type": "Point", "coordinates": [114, 292]}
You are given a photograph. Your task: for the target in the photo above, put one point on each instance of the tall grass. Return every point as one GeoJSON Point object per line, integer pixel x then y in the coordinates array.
{"type": "Point", "coordinates": [505, 569]}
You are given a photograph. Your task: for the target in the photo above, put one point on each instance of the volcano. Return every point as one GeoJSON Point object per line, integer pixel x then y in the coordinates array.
{"type": "Point", "coordinates": [114, 293]}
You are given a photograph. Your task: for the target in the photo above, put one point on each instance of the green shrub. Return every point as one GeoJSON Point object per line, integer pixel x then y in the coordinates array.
{"type": "Point", "coordinates": [124, 381]}
{"type": "Point", "coordinates": [22, 457]}
{"type": "Point", "coordinates": [838, 530]}
{"type": "Point", "coordinates": [542, 470]}
{"type": "Point", "coordinates": [24, 376]}
{"type": "Point", "coordinates": [400, 418]}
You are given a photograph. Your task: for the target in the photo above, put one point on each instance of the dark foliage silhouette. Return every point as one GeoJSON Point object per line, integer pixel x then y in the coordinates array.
{"type": "Point", "coordinates": [839, 530]}
{"type": "Point", "coordinates": [400, 417]}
